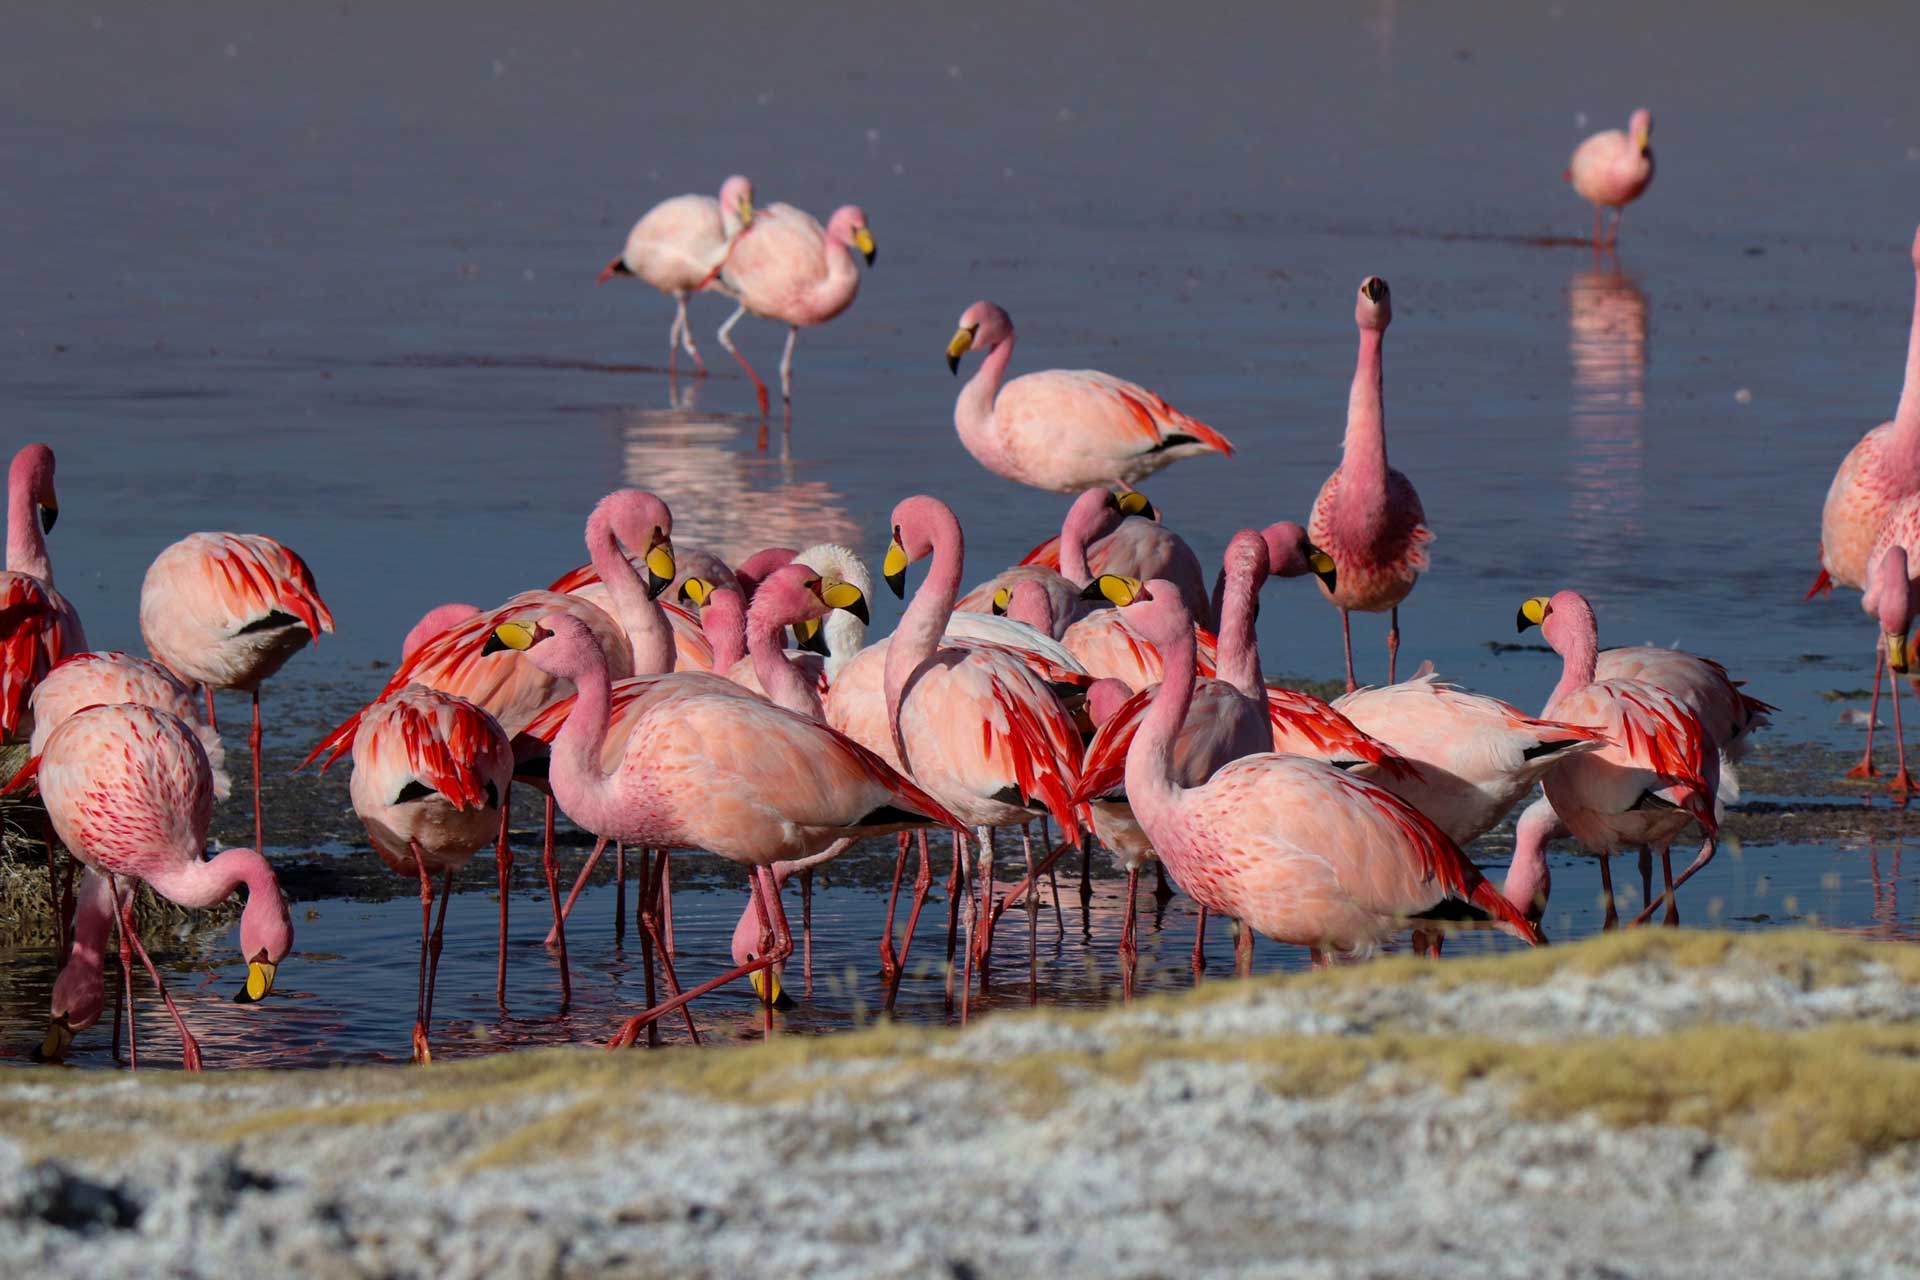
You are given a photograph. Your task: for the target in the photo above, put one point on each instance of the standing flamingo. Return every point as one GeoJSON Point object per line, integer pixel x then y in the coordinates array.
{"type": "Point", "coordinates": [1128, 540]}
{"type": "Point", "coordinates": [1658, 771]}
{"type": "Point", "coordinates": [430, 776]}
{"type": "Point", "coordinates": [130, 791]}
{"type": "Point", "coordinates": [226, 611]}
{"type": "Point", "coordinates": [38, 627]}
{"type": "Point", "coordinates": [791, 269]}
{"type": "Point", "coordinates": [1367, 515]}
{"type": "Point", "coordinates": [1063, 429]}
{"type": "Point", "coordinates": [678, 245]}
{"type": "Point", "coordinates": [1611, 169]}
{"type": "Point", "coordinates": [1293, 848]}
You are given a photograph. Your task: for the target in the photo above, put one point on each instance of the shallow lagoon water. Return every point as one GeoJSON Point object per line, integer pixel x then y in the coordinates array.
{"type": "Point", "coordinates": [329, 276]}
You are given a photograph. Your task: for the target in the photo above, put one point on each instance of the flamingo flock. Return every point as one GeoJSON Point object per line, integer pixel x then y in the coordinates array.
{"type": "Point", "coordinates": [1108, 689]}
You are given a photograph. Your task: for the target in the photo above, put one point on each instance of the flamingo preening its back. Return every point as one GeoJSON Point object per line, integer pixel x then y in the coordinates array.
{"type": "Point", "coordinates": [1612, 169]}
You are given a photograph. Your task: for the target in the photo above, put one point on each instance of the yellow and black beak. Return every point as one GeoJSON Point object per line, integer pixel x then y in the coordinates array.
{"type": "Point", "coordinates": [1322, 565]}
{"type": "Point", "coordinates": [765, 979]}
{"type": "Point", "coordinates": [49, 512]}
{"type": "Point", "coordinates": [863, 241]}
{"type": "Point", "coordinates": [1532, 614]}
{"type": "Point", "coordinates": [961, 344]}
{"type": "Point", "coordinates": [811, 637]}
{"type": "Point", "coordinates": [659, 566]}
{"type": "Point", "coordinates": [694, 591]}
{"type": "Point", "coordinates": [894, 567]}
{"type": "Point", "coordinates": [259, 981]}
{"type": "Point", "coordinates": [1002, 601]}
{"type": "Point", "coordinates": [746, 211]}
{"type": "Point", "coordinates": [1114, 589]}
{"type": "Point", "coordinates": [1134, 503]}
{"type": "Point", "coordinates": [54, 1047]}
{"type": "Point", "coordinates": [845, 596]}
{"type": "Point", "coordinates": [510, 635]}
{"type": "Point", "coordinates": [1897, 655]}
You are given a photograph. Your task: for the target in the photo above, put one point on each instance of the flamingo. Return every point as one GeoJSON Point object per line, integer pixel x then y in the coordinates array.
{"type": "Point", "coordinates": [1703, 686]}
{"type": "Point", "coordinates": [678, 246]}
{"type": "Point", "coordinates": [1062, 429]}
{"type": "Point", "coordinates": [1611, 169]}
{"type": "Point", "coordinates": [1367, 515]}
{"type": "Point", "coordinates": [130, 792]}
{"type": "Point", "coordinates": [38, 626]}
{"type": "Point", "coordinates": [708, 768]}
{"type": "Point", "coordinates": [994, 596]}
{"type": "Point", "coordinates": [104, 678]}
{"type": "Point", "coordinates": [1293, 848]}
{"type": "Point", "coordinates": [1876, 474]}
{"type": "Point", "coordinates": [226, 611]}
{"type": "Point", "coordinates": [430, 777]}
{"type": "Point", "coordinates": [1890, 599]}
{"type": "Point", "coordinates": [791, 269]}
{"type": "Point", "coordinates": [440, 618]}
{"type": "Point", "coordinates": [79, 991]}
{"type": "Point", "coordinates": [1658, 771]}
{"type": "Point", "coordinates": [1124, 537]}
{"type": "Point", "coordinates": [683, 645]}
{"type": "Point", "coordinates": [1528, 881]}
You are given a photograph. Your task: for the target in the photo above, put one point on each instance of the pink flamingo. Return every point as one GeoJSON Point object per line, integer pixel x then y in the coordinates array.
{"type": "Point", "coordinates": [1295, 849]}
{"type": "Point", "coordinates": [226, 611]}
{"type": "Point", "coordinates": [1611, 169]}
{"type": "Point", "coordinates": [38, 626]}
{"type": "Point", "coordinates": [721, 771]}
{"type": "Point", "coordinates": [1062, 429]}
{"type": "Point", "coordinates": [683, 644]}
{"type": "Point", "coordinates": [1367, 515]}
{"type": "Point", "coordinates": [994, 596]}
{"type": "Point", "coordinates": [1129, 540]}
{"type": "Point", "coordinates": [1658, 771]}
{"type": "Point", "coordinates": [791, 269]}
{"type": "Point", "coordinates": [1703, 687]}
{"type": "Point", "coordinates": [79, 992]}
{"type": "Point", "coordinates": [130, 792]}
{"type": "Point", "coordinates": [1528, 881]}
{"type": "Point", "coordinates": [678, 246]}
{"type": "Point", "coordinates": [1109, 646]}
{"type": "Point", "coordinates": [430, 776]}
{"type": "Point", "coordinates": [441, 618]}
{"type": "Point", "coordinates": [1891, 599]}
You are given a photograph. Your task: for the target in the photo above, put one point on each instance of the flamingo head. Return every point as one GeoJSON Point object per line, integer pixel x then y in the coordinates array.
{"type": "Point", "coordinates": [1099, 511]}
{"type": "Point", "coordinates": [440, 618]}
{"type": "Point", "coordinates": [848, 225]}
{"type": "Point", "coordinates": [642, 524]}
{"type": "Point", "coordinates": [79, 994]}
{"type": "Point", "coordinates": [31, 479]}
{"type": "Point", "coordinates": [1528, 880]}
{"type": "Point", "coordinates": [1154, 609]}
{"type": "Point", "coordinates": [1640, 131]}
{"type": "Point", "coordinates": [798, 597]}
{"type": "Point", "coordinates": [1892, 595]}
{"type": "Point", "coordinates": [1106, 696]}
{"type": "Point", "coordinates": [698, 562]}
{"type": "Point", "coordinates": [736, 202]}
{"type": "Point", "coordinates": [746, 949]}
{"type": "Point", "coordinates": [1565, 619]}
{"type": "Point", "coordinates": [1026, 601]}
{"type": "Point", "coordinates": [266, 933]}
{"type": "Point", "coordinates": [1374, 308]}
{"type": "Point", "coordinates": [1290, 553]}
{"type": "Point", "coordinates": [754, 568]}
{"type": "Point", "coordinates": [557, 643]}
{"type": "Point", "coordinates": [723, 617]}
{"type": "Point", "coordinates": [983, 326]}
{"type": "Point", "coordinates": [920, 524]}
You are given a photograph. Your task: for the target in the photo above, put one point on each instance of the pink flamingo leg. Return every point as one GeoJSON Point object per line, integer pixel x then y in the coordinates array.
{"type": "Point", "coordinates": [1243, 952]}
{"type": "Point", "coordinates": [644, 931]}
{"type": "Point", "coordinates": [1346, 638]}
{"type": "Point", "coordinates": [953, 913]}
{"type": "Point", "coordinates": [786, 366]}
{"type": "Point", "coordinates": [776, 954]}
{"type": "Point", "coordinates": [551, 866]}
{"type": "Point", "coordinates": [434, 944]}
{"type": "Point", "coordinates": [422, 1052]}
{"type": "Point", "coordinates": [1865, 768]}
{"type": "Point", "coordinates": [806, 930]}
{"type": "Point", "coordinates": [1393, 646]}
{"type": "Point", "coordinates": [1129, 946]}
{"type": "Point", "coordinates": [1162, 891]}
{"type": "Point", "coordinates": [212, 722]}
{"type": "Point", "coordinates": [922, 882]}
{"type": "Point", "coordinates": [579, 883]}
{"type": "Point", "coordinates": [120, 920]}
{"type": "Point", "coordinates": [1672, 918]}
{"type": "Point", "coordinates": [189, 1047]}
{"type": "Point", "coordinates": [620, 892]}
{"type": "Point", "coordinates": [1033, 921]}
{"type": "Point", "coordinates": [503, 862]}
{"type": "Point", "coordinates": [1606, 888]}
{"type": "Point", "coordinates": [666, 902]}
{"type": "Point", "coordinates": [1902, 781]}
{"type": "Point", "coordinates": [1200, 943]}
{"type": "Point", "coordinates": [253, 743]}
{"type": "Point", "coordinates": [759, 387]}
{"type": "Point", "coordinates": [887, 961]}
{"type": "Point", "coordinates": [1700, 860]}
{"type": "Point", "coordinates": [650, 919]}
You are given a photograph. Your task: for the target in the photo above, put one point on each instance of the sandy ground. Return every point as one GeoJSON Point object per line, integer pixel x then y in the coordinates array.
{"type": "Point", "coordinates": [1657, 1105]}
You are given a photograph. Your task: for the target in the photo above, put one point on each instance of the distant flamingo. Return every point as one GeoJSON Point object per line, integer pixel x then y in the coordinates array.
{"type": "Point", "coordinates": [1611, 169]}
{"type": "Point", "coordinates": [1367, 515]}
{"type": "Point", "coordinates": [1892, 598]}
{"type": "Point", "coordinates": [1292, 848]}
{"type": "Point", "coordinates": [1658, 771]}
{"type": "Point", "coordinates": [1062, 429]}
{"type": "Point", "coordinates": [226, 611]}
{"type": "Point", "coordinates": [38, 627]}
{"type": "Point", "coordinates": [1876, 474]}
{"type": "Point", "coordinates": [791, 269]}
{"type": "Point", "coordinates": [678, 245]}
{"type": "Point", "coordinates": [430, 776]}
{"type": "Point", "coordinates": [718, 771]}
{"type": "Point", "coordinates": [130, 793]}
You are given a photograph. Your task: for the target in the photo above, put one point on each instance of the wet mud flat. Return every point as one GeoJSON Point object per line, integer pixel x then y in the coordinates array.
{"type": "Point", "coordinates": [1646, 1104]}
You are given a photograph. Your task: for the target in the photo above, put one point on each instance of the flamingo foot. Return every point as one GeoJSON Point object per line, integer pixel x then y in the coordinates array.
{"type": "Point", "coordinates": [1902, 783]}
{"type": "Point", "coordinates": [422, 1055]}
{"type": "Point", "coordinates": [1862, 770]}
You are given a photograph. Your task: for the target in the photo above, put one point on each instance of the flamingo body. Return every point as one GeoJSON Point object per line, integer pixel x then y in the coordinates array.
{"type": "Point", "coordinates": [227, 610]}
{"type": "Point", "coordinates": [430, 772]}
{"type": "Point", "coordinates": [103, 679]}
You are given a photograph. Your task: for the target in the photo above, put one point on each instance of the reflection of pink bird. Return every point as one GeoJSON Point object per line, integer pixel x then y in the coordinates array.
{"type": "Point", "coordinates": [787, 267]}
{"type": "Point", "coordinates": [1062, 429]}
{"type": "Point", "coordinates": [38, 627]}
{"type": "Point", "coordinates": [130, 793]}
{"type": "Point", "coordinates": [226, 611]}
{"type": "Point", "coordinates": [1367, 517]}
{"type": "Point", "coordinates": [430, 773]}
{"type": "Point", "coordinates": [1611, 169]}
{"type": "Point", "coordinates": [678, 245]}
{"type": "Point", "coordinates": [1293, 848]}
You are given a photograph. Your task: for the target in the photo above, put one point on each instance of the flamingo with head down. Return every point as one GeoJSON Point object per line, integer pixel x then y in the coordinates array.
{"type": "Point", "coordinates": [1891, 599]}
{"type": "Point", "coordinates": [787, 267]}
{"type": "Point", "coordinates": [678, 246]}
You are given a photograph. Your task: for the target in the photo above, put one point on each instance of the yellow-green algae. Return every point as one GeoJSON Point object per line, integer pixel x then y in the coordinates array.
{"type": "Point", "coordinates": [1799, 1103]}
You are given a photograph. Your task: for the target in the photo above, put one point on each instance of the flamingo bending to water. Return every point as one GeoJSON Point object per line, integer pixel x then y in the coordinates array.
{"type": "Point", "coordinates": [1367, 517]}
{"type": "Point", "coordinates": [1891, 599]}
{"type": "Point", "coordinates": [789, 268]}
{"type": "Point", "coordinates": [1063, 429]}
{"type": "Point", "coordinates": [1611, 169]}
{"type": "Point", "coordinates": [678, 245]}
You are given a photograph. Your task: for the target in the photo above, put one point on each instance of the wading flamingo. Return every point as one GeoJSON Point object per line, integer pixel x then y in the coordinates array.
{"type": "Point", "coordinates": [430, 774]}
{"type": "Point", "coordinates": [1658, 771]}
{"type": "Point", "coordinates": [130, 792]}
{"type": "Point", "coordinates": [791, 269]}
{"type": "Point", "coordinates": [1611, 169]}
{"type": "Point", "coordinates": [1876, 474]}
{"type": "Point", "coordinates": [1063, 429]}
{"type": "Point", "coordinates": [716, 770]}
{"type": "Point", "coordinates": [678, 246]}
{"type": "Point", "coordinates": [1891, 599]}
{"type": "Point", "coordinates": [1126, 538]}
{"type": "Point", "coordinates": [38, 627]}
{"type": "Point", "coordinates": [1064, 607]}
{"type": "Point", "coordinates": [1528, 881]}
{"type": "Point", "coordinates": [1367, 516]}
{"type": "Point", "coordinates": [1292, 848]}
{"type": "Point", "coordinates": [226, 611]}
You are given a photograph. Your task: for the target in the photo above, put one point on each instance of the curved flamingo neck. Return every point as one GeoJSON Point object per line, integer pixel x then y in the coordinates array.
{"type": "Point", "coordinates": [1238, 659]}
{"type": "Point", "coordinates": [26, 545]}
{"type": "Point", "coordinates": [1152, 783]}
{"type": "Point", "coordinates": [1580, 657]}
{"type": "Point", "coordinates": [1906, 417]}
{"type": "Point", "coordinates": [784, 683]}
{"type": "Point", "coordinates": [195, 882]}
{"type": "Point", "coordinates": [646, 625]}
{"type": "Point", "coordinates": [842, 278]}
{"type": "Point", "coordinates": [1083, 524]}
{"type": "Point", "coordinates": [582, 789]}
{"type": "Point", "coordinates": [973, 411]}
{"type": "Point", "coordinates": [917, 638]}
{"type": "Point", "coordinates": [1363, 465]}
{"type": "Point", "coordinates": [724, 621]}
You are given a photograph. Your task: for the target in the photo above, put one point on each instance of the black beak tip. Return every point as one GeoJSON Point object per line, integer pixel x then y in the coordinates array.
{"type": "Point", "coordinates": [656, 584]}
{"type": "Point", "coordinates": [815, 643]}
{"type": "Point", "coordinates": [859, 610]}
{"type": "Point", "coordinates": [1520, 622]}
{"type": "Point", "coordinates": [47, 517]}
{"type": "Point", "coordinates": [871, 255]}
{"type": "Point", "coordinates": [1092, 591]}
{"type": "Point", "coordinates": [897, 583]}
{"type": "Point", "coordinates": [1329, 580]}
{"type": "Point", "coordinates": [784, 1002]}
{"type": "Point", "coordinates": [241, 997]}
{"type": "Point", "coordinates": [953, 365]}
{"type": "Point", "coordinates": [493, 645]}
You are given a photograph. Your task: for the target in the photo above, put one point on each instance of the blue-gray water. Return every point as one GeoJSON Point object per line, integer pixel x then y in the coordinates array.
{"type": "Point", "coordinates": [329, 275]}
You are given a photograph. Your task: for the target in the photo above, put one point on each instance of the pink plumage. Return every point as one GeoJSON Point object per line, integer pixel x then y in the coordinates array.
{"type": "Point", "coordinates": [38, 626]}
{"type": "Point", "coordinates": [430, 772]}
{"type": "Point", "coordinates": [789, 268]}
{"type": "Point", "coordinates": [1612, 169]}
{"type": "Point", "coordinates": [677, 247]}
{"type": "Point", "coordinates": [106, 678]}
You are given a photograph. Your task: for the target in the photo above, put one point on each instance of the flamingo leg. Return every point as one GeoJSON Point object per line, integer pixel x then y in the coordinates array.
{"type": "Point", "coordinates": [887, 960]}
{"type": "Point", "coordinates": [1162, 891]}
{"type": "Point", "coordinates": [786, 365]}
{"type": "Point", "coordinates": [953, 915]}
{"type": "Point", "coordinates": [1672, 917]}
{"type": "Point", "coordinates": [806, 930]}
{"type": "Point", "coordinates": [1598, 242]}
{"type": "Point", "coordinates": [253, 743]}
{"type": "Point", "coordinates": [673, 332]}
{"type": "Point", "coordinates": [1646, 874]}
{"type": "Point", "coordinates": [620, 892]}
{"type": "Point", "coordinates": [1393, 645]}
{"type": "Point", "coordinates": [503, 863]}
{"type": "Point", "coordinates": [782, 948]}
{"type": "Point", "coordinates": [1200, 944]}
{"type": "Point", "coordinates": [1902, 781]}
{"type": "Point", "coordinates": [551, 866]}
{"type": "Point", "coordinates": [726, 340]}
{"type": "Point", "coordinates": [1243, 951]}
{"type": "Point", "coordinates": [686, 338]}
{"type": "Point", "coordinates": [1129, 945]}
{"type": "Point", "coordinates": [422, 1052]}
{"type": "Point", "coordinates": [121, 919]}
{"type": "Point", "coordinates": [433, 944]}
{"type": "Point", "coordinates": [189, 1047]}
{"type": "Point", "coordinates": [652, 922]}
{"type": "Point", "coordinates": [764, 946]}
{"type": "Point", "coordinates": [1700, 860]}
{"type": "Point", "coordinates": [1033, 921]}
{"type": "Point", "coordinates": [922, 881]}
{"type": "Point", "coordinates": [643, 930]}
{"type": "Point", "coordinates": [666, 903]}
{"type": "Point", "coordinates": [62, 939]}
{"type": "Point", "coordinates": [1346, 638]}
{"type": "Point", "coordinates": [579, 883]}
{"type": "Point", "coordinates": [1606, 888]}
{"type": "Point", "coordinates": [1865, 768]}
{"type": "Point", "coordinates": [1619, 216]}
{"type": "Point", "coordinates": [1086, 875]}
{"type": "Point", "coordinates": [983, 903]}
